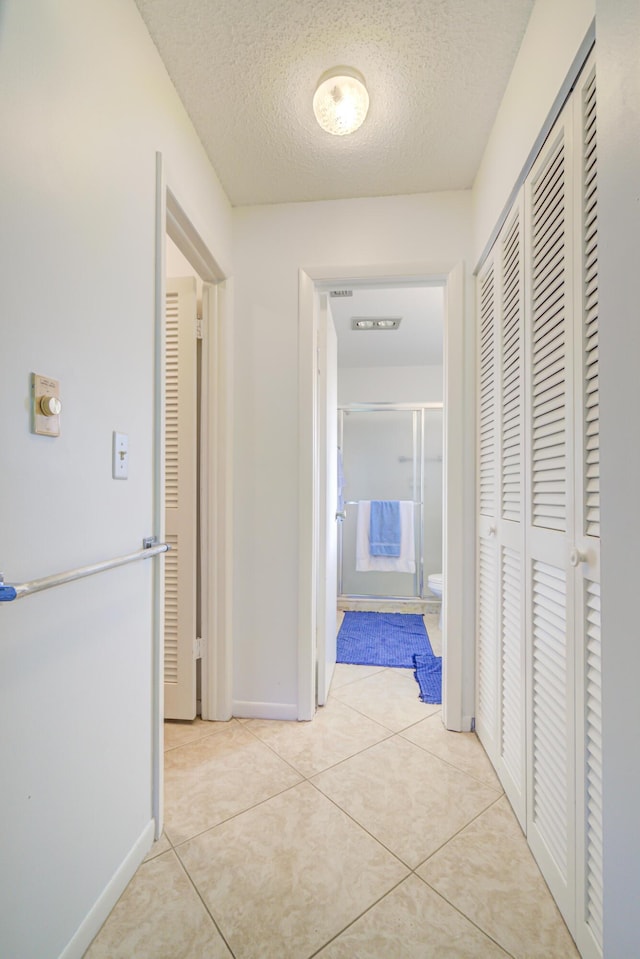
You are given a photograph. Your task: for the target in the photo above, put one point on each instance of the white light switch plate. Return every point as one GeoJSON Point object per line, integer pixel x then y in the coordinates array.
{"type": "Point", "coordinates": [120, 464]}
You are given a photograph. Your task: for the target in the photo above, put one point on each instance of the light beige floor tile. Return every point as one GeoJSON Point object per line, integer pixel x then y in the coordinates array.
{"type": "Point", "coordinates": [408, 799]}
{"type": "Point", "coordinates": [159, 916]}
{"type": "Point", "coordinates": [488, 872]}
{"type": "Point", "coordinates": [432, 623]}
{"type": "Point", "coordinates": [180, 733]}
{"type": "Point", "coordinates": [217, 777]}
{"type": "Point", "coordinates": [389, 697]}
{"type": "Point", "coordinates": [159, 847]}
{"type": "Point", "coordinates": [284, 878]}
{"type": "Point", "coordinates": [463, 750]}
{"type": "Point", "coordinates": [335, 733]}
{"type": "Point", "coordinates": [345, 673]}
{"type": "Point", "coordinates": [412, 922]}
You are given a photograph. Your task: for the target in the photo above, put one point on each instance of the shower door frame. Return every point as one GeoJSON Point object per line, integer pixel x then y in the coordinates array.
{"type": "Point", "coordinates": [418, 423]}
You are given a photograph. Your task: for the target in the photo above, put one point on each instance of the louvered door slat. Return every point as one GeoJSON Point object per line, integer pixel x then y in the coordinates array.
{"type": "Point", "coordinates": [171, 610]}
{"type": "Point", "coordinates": [487, 395]}
{"type": "Point", "coordinates": [549, 710]}
{"type": "Point", "coordinates": [180, 498]}
{"type": "Point", "coordinates": [593, 752]}
{"type": "Point", "coordinates": [512, 719]}
{"type": "Point", "coordinates": [172, 442]}
{"type": "Point", "coordinates": [591, 480]}
{"type": "Point", "coordinates": [511, 372]}
{"type": "Point", "coordinates": [548, 307]}
{"type": "Point", "coordinates": [487, 655]}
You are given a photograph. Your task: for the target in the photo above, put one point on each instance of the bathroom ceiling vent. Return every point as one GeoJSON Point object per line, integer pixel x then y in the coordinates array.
{"type": "Point", "coordinates": [375, 322]}
{"type": "Point", "coordinates": [341, 293]}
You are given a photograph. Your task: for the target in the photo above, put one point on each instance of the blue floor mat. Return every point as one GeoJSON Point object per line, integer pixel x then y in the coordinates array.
{"type": "Point", "coordinates": [382, 639]}
{"type": "Point", "coordinates": [428, 673]}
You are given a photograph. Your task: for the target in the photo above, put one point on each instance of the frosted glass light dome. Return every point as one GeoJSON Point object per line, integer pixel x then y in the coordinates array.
{"type": "Point", "coordinates": [341, 101]}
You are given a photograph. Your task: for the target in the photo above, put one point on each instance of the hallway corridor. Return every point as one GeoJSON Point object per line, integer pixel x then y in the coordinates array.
{"type": "Point", "coordinates": [369, 833]}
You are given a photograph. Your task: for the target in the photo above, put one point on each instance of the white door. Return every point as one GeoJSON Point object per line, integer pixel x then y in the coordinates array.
{"type": "Point", "coordinates": [328, 499]}
{"type": "Point", "coordinates": [585, 558]}
{"type": "Point", "coordinates": [487, 658]}
{"type": "Point", "coordinates": [550, 517]}
{"type": "Point", "coordinates": [181, 476]}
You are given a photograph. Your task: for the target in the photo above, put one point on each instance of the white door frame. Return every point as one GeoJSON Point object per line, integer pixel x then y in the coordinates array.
{"type": "Point", "coordinates": [459, 447]}
{"type": "Point", "coordinates": [172, 220]}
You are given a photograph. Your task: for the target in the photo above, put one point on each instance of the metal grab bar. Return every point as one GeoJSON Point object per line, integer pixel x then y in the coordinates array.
{"type": "Point", "coordinates": [12, 591]}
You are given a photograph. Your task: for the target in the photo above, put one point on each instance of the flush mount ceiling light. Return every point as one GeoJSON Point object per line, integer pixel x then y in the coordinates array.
{"type": "Point", "coordinates": [371, 323]}
{"type": "Point", "coordinates": [341, 101]}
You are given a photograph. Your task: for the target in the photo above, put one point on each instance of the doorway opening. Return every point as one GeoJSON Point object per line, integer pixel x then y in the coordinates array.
{"type": "Point", "coordinates": [457, 449]}
{"type": "Point", "coordinates": [211, 544]}
{"type": "Point", "coordinates": [390, 436]}
{"type": "Point", "coordinates": [389, 380]}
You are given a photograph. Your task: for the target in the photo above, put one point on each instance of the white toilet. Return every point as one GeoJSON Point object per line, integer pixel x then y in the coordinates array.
{"type": "Point", "coordinates": [434, 582]}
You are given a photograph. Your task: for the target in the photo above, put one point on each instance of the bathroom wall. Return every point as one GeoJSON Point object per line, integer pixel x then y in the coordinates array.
{"type": "Point", "coordinates": [378, 464]}
{"type": "Point", "coordinates": [399, 384]}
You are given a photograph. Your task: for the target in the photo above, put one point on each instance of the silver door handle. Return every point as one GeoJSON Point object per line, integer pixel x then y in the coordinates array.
{"type": "Point", "coordinates": [341, 514]}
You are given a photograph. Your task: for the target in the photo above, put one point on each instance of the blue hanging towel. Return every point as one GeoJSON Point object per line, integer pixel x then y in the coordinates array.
{"type": "Point", "coordinates": [384, 528]}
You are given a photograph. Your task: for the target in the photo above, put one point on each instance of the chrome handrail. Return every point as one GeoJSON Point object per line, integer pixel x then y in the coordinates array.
{"type": "Point", "coordinates": [12, 591]}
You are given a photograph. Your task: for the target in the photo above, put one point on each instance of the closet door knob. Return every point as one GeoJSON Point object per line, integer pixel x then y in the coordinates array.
{"type": "Point", "coordinates": [493, 530]}
{"type": "Point", "coordinates": [577, 556]}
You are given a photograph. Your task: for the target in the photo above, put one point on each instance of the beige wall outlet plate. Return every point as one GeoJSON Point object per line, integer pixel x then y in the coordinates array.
{"type": "Point", "coordinates": [45, 405]}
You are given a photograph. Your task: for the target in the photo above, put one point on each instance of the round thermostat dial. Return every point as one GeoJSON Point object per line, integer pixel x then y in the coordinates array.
{"type": "Point", "coordinates": [50, 405]}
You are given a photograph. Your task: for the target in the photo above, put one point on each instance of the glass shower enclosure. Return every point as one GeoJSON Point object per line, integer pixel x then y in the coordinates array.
{"type": "Point", "coordinates": [390, 452]}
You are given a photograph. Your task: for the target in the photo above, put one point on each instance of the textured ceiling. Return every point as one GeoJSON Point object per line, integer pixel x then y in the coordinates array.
{"type": "Point", "coordinates": [246, 71]}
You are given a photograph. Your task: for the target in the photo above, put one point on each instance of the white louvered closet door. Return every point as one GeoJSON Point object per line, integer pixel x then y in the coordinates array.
{"type": "Point", "coordinates": [511, 759]}
{"type": "Point", "coordinates": [549, 388]}
{"type": "Point", "coordinates": [180, 499]}
{"type": "Point", "coordinates": [487, 649]}
{"type": "Point", "coordinates": [587, 522]}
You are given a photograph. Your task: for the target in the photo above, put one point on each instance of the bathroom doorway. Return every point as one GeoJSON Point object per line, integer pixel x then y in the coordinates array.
{"type": "Point", "coordinates": [390, 444]}
{"type": "Point", "coordinates": [459, 446]}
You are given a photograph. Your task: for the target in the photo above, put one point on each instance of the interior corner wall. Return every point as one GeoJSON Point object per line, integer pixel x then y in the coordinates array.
{"type": "Point", "coordinates": [85, 103]}
{"type": "Point", "coordinates": [554, 35]}
{"type": "Point", "coordinates": [271, 244]}
{"type": "Point", "coordinates": [618, 86]}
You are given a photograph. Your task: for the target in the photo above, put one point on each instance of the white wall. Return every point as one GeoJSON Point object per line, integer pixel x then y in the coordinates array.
{"type": "Point", "coordinates": [389, 384]}
{"type": "Point", "coordinates": [272, 243]}
{"type": "Point", "coordinates": [84, 105]}
{"type": "Point", "coordinates": [554, 34]}
{"type": "Point", "coordinates": [618, 78]}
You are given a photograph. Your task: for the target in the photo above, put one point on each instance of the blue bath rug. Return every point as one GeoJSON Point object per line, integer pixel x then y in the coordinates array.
{"type": "Point", "coordinates": [382, 639]}
{"type": "Point", "coordinates": [428, 673]}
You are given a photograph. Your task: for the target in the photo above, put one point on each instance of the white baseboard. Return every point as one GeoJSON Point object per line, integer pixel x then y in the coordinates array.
{"type": "Point", "coordinates": [92, 923]}
{"type": "Point", "coordinates": [246, 710]}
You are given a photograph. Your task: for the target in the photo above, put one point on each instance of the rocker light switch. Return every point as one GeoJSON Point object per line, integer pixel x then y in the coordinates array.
{"type": "Point", "coordinates": [120, 456]}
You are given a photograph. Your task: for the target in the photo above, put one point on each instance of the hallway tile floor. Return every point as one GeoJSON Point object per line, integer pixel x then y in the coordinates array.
{"type": "Point", "coordinates": [369, 833]}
